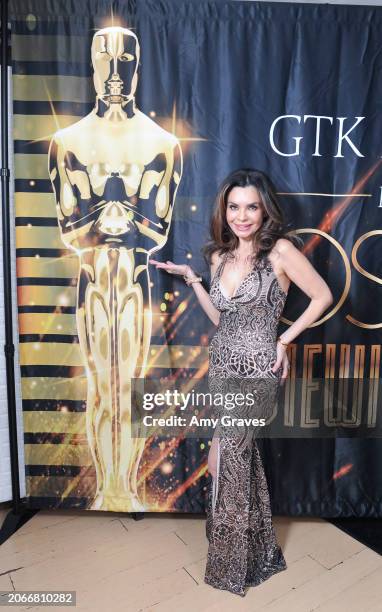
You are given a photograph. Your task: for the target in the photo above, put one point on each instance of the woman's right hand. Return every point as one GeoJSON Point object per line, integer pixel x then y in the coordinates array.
{"type": "Point", "coordinates": [173, 268]}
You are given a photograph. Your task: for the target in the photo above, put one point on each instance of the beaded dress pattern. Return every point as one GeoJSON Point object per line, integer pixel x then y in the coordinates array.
{"type": "Point", "coordinates": [243, 550]}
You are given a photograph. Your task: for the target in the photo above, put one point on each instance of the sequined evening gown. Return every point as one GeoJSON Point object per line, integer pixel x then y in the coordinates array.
{"type": "Point", "coordinates": [243, 550]}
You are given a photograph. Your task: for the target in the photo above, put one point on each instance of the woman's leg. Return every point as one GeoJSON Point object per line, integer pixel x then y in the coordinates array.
{"type": "Point", "coordinates": [213, 457]}
{"type": "Point", "coordinates": [213, 467]}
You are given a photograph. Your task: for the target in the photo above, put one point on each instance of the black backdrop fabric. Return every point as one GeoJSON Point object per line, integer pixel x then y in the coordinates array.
{"type": "Point", "coordinates": [243, 84]}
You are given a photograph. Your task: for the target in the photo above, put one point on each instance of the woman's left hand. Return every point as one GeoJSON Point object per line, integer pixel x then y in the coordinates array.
{"type": "Point", "coordinates": [281, 361]}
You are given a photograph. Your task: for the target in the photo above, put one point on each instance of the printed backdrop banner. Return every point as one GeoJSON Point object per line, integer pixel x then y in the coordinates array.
{"type": "Point", "coordinates": [127, 115]}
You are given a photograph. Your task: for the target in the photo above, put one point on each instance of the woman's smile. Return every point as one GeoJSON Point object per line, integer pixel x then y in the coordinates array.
{"type": "Point", "coordinates": [242, 227]}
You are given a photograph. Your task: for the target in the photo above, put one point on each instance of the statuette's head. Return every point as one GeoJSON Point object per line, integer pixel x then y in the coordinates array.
{"type": "Point", "coordinates": [115, 58]}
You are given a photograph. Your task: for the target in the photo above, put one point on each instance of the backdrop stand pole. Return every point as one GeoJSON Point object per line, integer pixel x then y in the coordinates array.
{"type": "Point", "coordinates": [19, 514]}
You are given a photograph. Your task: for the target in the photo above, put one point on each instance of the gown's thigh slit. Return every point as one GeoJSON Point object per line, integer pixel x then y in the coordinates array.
{"type": "Point", "coordinates": [215, 481]}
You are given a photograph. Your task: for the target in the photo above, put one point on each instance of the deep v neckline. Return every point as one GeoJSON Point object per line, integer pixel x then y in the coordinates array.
{"type": "Point", "coordinates": [221, 286]}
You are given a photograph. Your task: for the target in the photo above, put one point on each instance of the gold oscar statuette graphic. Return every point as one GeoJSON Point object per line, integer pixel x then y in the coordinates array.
{"type": "Point", "coordinates": [115, 174]}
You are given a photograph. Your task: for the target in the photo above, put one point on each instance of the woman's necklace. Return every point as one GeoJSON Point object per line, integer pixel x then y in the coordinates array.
{"type": "Point", "coordinates": [244, 263]}
{"type": "Point", "coordinates": [246, 259]}
{"type": "Point", "coordinates": [237, 258]}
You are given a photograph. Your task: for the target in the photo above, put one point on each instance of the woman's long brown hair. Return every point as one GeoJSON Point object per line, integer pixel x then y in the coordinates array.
{"type": "Point", "coordinates": [222, 238]}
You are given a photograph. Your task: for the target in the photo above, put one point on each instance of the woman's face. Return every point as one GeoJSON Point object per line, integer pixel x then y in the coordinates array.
{"type": "Point", "coordinates": [244, 211]}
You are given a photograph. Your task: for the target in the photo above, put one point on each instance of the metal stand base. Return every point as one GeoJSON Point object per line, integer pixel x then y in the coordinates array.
{"type": "Point", "coordinates": [137, 516]}
{"type": "Point", "coordinates": [13, 522]}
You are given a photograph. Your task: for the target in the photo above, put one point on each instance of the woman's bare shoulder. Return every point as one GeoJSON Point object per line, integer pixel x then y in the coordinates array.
{"type": "Point", "coordinates": [215, 261]}
{"type": "Point", "coordinates": [283, 245]}
{"type": "Point", "coordinates": [216, 258]}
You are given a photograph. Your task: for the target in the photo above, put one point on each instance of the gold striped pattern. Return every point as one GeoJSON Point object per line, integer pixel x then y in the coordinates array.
{"type": "Point", "coordinates": [40, 127]}
{"type": "Point", "coordinates": [57, 454]}
{"type": "Point", "coordinates": [39, 387]}
{"type": "Point", "coordinates": [35, 205]}
{"type": "Point", "coordinates": [57, 322]}
{"type": "Point", "coordinates": [31, 166]}
{"type": "Point", "coordinates": [60, 486]}
{"type": "Point", "coordinates": [52, 353]}
{"type": "Point", "coordinates": [30, 237]}
{"type": "Point", "coordinates": [54, 422]}
{"type": "Point", "coordinates": [44, 88]}
{"type": "Point", "coordinates": [61, 48]}
{"type": "Point", "coordinates": [46, 296]}
{"type": "Point", "coordinates": [46, 323]}
{"type": "Point", "coordinates": [48, 267]}
{"type": "Point", "coordinates": [57, 353]}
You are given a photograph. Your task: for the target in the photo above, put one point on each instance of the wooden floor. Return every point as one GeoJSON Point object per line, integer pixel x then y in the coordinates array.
{"type": "Point", "coordinates": [157, 564]}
